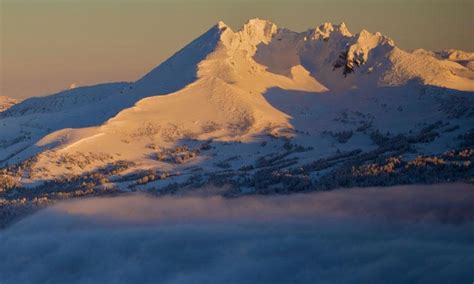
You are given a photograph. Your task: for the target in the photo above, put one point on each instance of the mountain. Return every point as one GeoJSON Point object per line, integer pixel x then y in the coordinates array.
{"type": "Point", "coordinates": [263, 110]}
{"type": "Point", "coordinates": [462, 57]}
{"type": "Point", "coordinates": [6, 103]}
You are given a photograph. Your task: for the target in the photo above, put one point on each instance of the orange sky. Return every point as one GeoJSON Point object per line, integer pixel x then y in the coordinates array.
{"type": "Point", "coordinates": [48, 45]}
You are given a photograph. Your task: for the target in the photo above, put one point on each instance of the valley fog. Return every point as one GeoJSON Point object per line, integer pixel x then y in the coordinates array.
{"type": "Point", "coordinates": [391, 235]}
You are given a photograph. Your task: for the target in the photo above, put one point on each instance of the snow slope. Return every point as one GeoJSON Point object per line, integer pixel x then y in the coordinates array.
{"type": "Point", "coordinates": [6, 103]}
{"type": "Point", "coordinates": [325, 89]}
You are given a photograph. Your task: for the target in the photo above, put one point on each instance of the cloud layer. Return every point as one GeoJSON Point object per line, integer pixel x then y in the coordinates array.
{"type": "Point", "coordinates": [386, 235]}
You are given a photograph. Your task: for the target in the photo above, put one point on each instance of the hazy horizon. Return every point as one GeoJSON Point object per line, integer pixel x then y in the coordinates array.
{"type": "Point", "coordinates": [46, 46]}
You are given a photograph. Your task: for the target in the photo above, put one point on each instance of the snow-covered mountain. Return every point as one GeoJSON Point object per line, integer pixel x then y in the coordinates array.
{"type": "Point", "coordinates": [264, 109]}
{"type": "Point", "coordinates": [462, 57]}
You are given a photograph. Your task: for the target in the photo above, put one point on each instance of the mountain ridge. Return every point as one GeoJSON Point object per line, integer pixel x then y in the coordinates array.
{"type": "Point", "coordinates": [321, 108]}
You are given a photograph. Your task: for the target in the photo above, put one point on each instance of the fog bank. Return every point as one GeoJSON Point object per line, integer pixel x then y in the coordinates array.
{"type": "Point", "coordinates": [387, 235]}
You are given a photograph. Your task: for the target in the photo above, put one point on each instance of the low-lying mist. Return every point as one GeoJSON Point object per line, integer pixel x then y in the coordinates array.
{"type": "Point", "coordinates": [422, 234]}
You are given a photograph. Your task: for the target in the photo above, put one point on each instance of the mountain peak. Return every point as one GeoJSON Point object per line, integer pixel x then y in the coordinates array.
{"type": "Point", "coordinates": [257, 22]}
{"type": "Point", "coordinates": [325, 30]}
{"type": "Point", "coordinates": [259, 30]}
{"type": "Point", "coordinates": [366, 37]}
{"type": "Point", "coordinates": [344, 30]}
{"type": "Point", "coordinates": [221, 25]}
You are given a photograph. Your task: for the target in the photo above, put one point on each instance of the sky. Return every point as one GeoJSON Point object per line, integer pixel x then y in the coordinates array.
{"type": "Point", "coordinates": [49, 45]}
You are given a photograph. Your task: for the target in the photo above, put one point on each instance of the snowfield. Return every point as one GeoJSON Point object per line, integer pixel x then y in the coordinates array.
{"type": "Point", "coordinates": [263, 109]}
